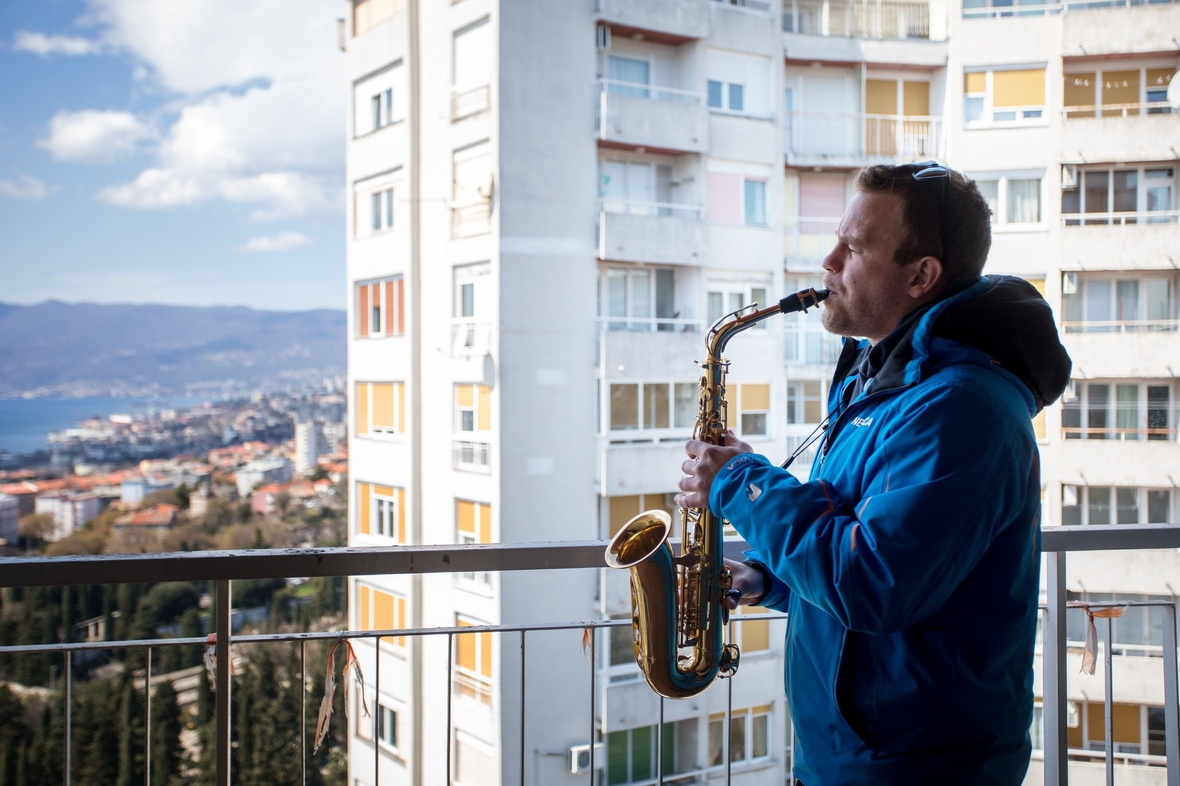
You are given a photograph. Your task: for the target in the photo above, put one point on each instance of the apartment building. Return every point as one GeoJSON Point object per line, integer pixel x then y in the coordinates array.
{"type": "Point", "coordinates": [550, 202]}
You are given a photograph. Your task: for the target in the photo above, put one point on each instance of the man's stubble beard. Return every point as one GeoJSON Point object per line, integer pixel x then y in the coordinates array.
{"type": "Point", "coordinates": [857, 320]}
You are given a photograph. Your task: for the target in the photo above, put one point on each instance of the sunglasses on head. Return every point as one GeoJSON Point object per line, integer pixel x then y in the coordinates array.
{"type": "Point", "coordinates": [932, 170]}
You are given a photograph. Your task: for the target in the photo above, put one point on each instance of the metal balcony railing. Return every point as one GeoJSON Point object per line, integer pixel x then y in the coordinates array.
{"type": "Point", "coordinates": [995, 9]}
{"type": "Point", "coordinates": [470, 338]}
{"type": "Point", "coordinates": [1118, 110]}
{"type": "Point", "coordinates": [466, 102]}
{"type": "Point", "coordinates": [1121, 218]}
{"type": "Point", "coordinates": [653, 92]}
{"type": "Point", "coordinates": [857, 18]}
{"type": "Point", "coordinates": [471, 218]}
{"type": "Point", "coordinates": [649, 324]}
{"type": "Point", "coordinates": [859, 134]}
{"type": "Point", "coordinates": [1122, 326]}
{"type": "Point", "coordinates": [224, 567]}
{"type": "Point", "coordinates": [808, 237]}
{"type": "Point", "coordinates": [640, 207]}
{"type": "Point", "coordinates": [470, 455]}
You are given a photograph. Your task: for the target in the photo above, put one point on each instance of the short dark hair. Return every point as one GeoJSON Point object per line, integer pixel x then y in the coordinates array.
{"type": "Point", "coordinates": [969, 230]}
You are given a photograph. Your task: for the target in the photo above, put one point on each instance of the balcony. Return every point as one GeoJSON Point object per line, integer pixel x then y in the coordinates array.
{"type": "Point", "coordinates": [658, 119]}
{"type": "Point", "coordinates": [470, 219]}
{"type": "Point", "coordinates": [663, 21]}
{"type": "Point", "coordinates": [845, 139]}
{"type": "Point", "coordinates": [808, 344]}
{"type": "Point", "coordinates": [471, 456]}
{"type": "Point", "coordinates": [1122, 350]}
{"type": "Point", "coordinates": [470, 101]}
{"type": "Point", "coordinates": [997, 9]}
{"type": "Point", "coordinates": [459, 687]}
{"type": "Point", "coordinates": [1120, 241]}
{"type": "Point", "coordinates": [470, 339]}
{"type": "Point", "coordinates": [857, 19]}
{"type": "Point", "coordinates": [1119, 132]}
{"type": "Point", "coordinates": [653, 232]}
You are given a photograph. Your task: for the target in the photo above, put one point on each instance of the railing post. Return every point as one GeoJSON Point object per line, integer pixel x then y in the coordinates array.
{"type": "Point", "coordinates": [1171, 698]}
{"type": "Point", "coordinates": [147, 719]}
{"type": "Point", "coordinates": [1108, 703]}
{"type": "Point", "coordinates": [1054, 685]}
{"type": "Point", "coordinates": [68, 690]}
{"type": "Point", "coordinates": [222, 746]}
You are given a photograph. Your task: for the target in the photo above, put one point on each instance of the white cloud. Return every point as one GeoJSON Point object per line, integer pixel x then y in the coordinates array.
{"type": "Point", "coordinates": [263, 92]}
{"type": "Point", "coordinates": [28, 187]}
{"type": "Point", "coordinates": [46, 45]}
{"type": "Point", "coordinates": [93, 136]}
{"type": "Point", "coordinates": [283, 241]}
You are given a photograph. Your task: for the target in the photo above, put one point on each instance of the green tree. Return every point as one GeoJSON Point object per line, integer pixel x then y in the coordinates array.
{"type": "Point", "coordinates": [167, 752]}
{"type": "Point", "coordinates": [130, 737]}
{"type": "Point", "coordinates": [13, 734]}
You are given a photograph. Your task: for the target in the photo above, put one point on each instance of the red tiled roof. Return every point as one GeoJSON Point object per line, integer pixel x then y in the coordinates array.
{"type": "Point", "coordinates": [161, 515]}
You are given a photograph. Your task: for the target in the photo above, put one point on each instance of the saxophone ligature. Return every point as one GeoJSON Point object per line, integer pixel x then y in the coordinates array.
{"type": "Point", "coordinates": [678, 611]}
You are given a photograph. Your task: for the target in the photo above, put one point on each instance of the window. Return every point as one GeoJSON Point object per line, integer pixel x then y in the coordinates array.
{"type": "Point", "coordinates": [804, 339]}
{"type": "Point", "coordinates": [381, 510]}
{"type": "Point", "coordinates": [380, 409]}
{"type": "Point", "coordinates": [754, 408]}
{"type": "Point", "coordinates": [1117, 410]}
{"type": "Point", "coordinates": [1004, 97]}
{"type": "Point", "coordinates": [381, 209]}
{"type": "Point", "coordinates": [1086, 505]}
{"type": "Point", "coordinates": [628, 76]}
{"type": "Point", "coordinates": [622, 509]}
{"type": "Point", "coordinates": [373, 100]}
{"type": "Point", "coordinates": [369, 13]}
{"type": "Point", "coordinates": [738, 83]}
{"type": "Point", "coordinates": [631, 754]}
{"type": "Point", "coordinates": [636, 295]}
{"type": "Point", "coordinates": [379, 610]}
{"type": "Point", "coordinates": [754, 202]}
{"type": "Point", "coordinates": [1099, 304]}
{"type": "Point", "coordinates": [380, 308]}
{"type": "Point", "coordinates": [473, 522]}
{"type": "Point", "coordinates": [471, 191]}
{"type": "Point", "coordinates": [737, 199]}
{"type": "Point", "coordinates": [473, 56]}
{"type": "Point", "coordinates": [473, 408]}
{"type": "Point", "coordinates": [724, 299]}
{"type": "Point", "coordinates": [1036, 731]}
{"type": "Point", "coordinates": [1012, 199]}
{"type": "Point", "coordinates": [1121, 196]}
{"type": "Point", "coordinates": [653, 406]}
{"type": "Point", "coordinates": [640, 188]}
{"type": "Point", "coordinates": [754, 635]}
{"type": "Point", "coordinates": [749, 735]}
{"type": "Point", "coordinates": [387, 726]}
{"type": "Point", "coordinates": [473, 662]}
{"type": "Point", "coordinates": [1120, 92]}
{"type": "Point", "coordinates": [805, 403]}
{"type": "Point", "coordinates": [375, 205]}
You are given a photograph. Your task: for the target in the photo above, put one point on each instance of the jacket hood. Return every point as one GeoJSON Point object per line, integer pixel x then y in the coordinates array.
{"type": "Point", "coordinates": [1004, 317]}
{"type": "Point", "coordinates": [1013, 324]}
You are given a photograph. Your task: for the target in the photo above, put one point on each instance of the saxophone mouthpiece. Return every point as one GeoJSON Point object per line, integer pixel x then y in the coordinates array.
{"type": "Point", "coordinates": [802, 300]}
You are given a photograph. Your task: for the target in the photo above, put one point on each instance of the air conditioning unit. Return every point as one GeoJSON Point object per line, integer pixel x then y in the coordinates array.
{"type": "Point", "coordinates": [1069, 176]}
{"type": "Point", "coordinates": [603, 37]}
{"type": "Point", "coordinates": [580, 758]}
{"type": "Point", "coordinates": [1069, 283]}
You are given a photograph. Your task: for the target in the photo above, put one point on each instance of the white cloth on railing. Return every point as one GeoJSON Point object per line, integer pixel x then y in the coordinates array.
{"type": "Point", "coordinates": [1090, 653]}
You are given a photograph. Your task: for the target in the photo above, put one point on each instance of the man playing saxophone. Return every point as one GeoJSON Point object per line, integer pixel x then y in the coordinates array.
{"type": "Point", "coordinates": [909, 561]}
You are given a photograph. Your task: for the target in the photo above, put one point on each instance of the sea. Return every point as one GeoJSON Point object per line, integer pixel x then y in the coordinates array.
{"type": "Point", "coordinates": [25, 423]}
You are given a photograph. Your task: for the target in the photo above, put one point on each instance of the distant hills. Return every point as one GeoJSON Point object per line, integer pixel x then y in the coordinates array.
{"type": "Point", "coordinates": [56, 348]}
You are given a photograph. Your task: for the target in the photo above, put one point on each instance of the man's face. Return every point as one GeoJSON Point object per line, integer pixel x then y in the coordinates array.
{"type": "Point", "coordinates": [870, 292]}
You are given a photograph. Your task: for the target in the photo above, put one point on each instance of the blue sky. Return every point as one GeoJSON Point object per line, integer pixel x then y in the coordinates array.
{"type": "Point", "coordinates": [161, 151]}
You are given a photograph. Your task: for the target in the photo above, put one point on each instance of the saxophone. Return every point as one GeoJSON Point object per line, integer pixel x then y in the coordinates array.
{"type": "Point", "coordinates": [678, 612]}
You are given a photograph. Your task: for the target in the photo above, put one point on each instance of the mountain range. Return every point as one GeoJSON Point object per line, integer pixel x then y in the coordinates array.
{"type": "Point", "coordinates": [56, 348]}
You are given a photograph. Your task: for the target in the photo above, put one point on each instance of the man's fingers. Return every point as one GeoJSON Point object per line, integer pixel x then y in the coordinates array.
{"type": "Point", "coordinates": [691, 501]}
{"type": "Point", "coordinates": [687, 483]}
{"type": "Point", "coordinates": [694, 447]}
{"type": "Point", "coordinates": [689, 467]}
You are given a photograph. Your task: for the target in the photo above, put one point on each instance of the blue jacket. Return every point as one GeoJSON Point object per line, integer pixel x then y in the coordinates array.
{"type": "Point", "coordinates": [909, 562]}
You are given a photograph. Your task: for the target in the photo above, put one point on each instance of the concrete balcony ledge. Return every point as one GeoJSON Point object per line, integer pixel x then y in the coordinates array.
{"type": "Point", "coordinates": [652, 468]}
{"type": "Point", "coordinates": [664, 239]}
{"type": "Point", "coordinates": [1097, 462]}
{"type": "Point", "coordinates": [663, 21]}
{"type": "Point", "coordinates": [1127, 30]}
{"type": "Point", "coordinates": [1136, 355]}
{"type": "Point", "coordinates": [1136, 137]}
{"type": "Point", "coordinates": [1116, 247]}
{"type": "Point", "coordinates": [650, 353]}
{"type": "Point", "coordinates": [658, 119]}
{"type": "Point", "coordinates": [914, 52]}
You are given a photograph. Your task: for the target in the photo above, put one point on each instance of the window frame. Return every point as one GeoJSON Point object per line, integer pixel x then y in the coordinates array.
{"type": "Point", "coordinates": [1140, 214]}
{"type": "Point", "coordinates": [366, 607]}
{"type": "Point", "coordinates": [1075, 302]}
{"type": "Point", "coordinates": [1024, 117]}
{"type": "Point", "coordinates": [391, 315]}
{"type": "Point", "coordinates": [629, 320]}
{"type": "Point", "coordinates": [642, 433]}
{"type": "Point", "coordinates": [369, 429]}
{"type": "Point", "coordinates": [737, 393]}
{"type": "Point", "coordinates": [1003, 180]}
{"type": "Point", "coordinates": [1079, 495]}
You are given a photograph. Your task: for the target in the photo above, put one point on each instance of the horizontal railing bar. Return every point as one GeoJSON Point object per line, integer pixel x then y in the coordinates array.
{"type": "Point", "coordinates": [1110, 537]}
{"type": "Point", "coordinates": [449, 558]}
{"type": "Point", "coordinates": [332, 635]}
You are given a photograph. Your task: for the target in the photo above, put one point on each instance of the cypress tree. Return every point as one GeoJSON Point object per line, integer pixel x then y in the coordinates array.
{"type": "Point", "coordinates": [130, 737]}
{"type": "Point", "coordinates": [167, 751]}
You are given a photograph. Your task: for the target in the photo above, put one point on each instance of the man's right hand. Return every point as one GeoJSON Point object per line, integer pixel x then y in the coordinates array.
{"type": "Point", "coordinates": [748, 581]}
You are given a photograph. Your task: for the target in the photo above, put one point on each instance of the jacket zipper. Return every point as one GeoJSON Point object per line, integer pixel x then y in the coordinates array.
{"type": "Point", "coordinates": [847, 409]}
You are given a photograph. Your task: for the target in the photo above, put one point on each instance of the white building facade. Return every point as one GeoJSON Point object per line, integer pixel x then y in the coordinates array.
{"type": "Point", "coordinates": [548, 204]}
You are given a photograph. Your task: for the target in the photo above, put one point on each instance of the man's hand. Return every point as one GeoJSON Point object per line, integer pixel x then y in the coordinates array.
{"type": "Point", "coordinates": [748, 581]}
{"type": "Point", "coordinates": [703, 464]}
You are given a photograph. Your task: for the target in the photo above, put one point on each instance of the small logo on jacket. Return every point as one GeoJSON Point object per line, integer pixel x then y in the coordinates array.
{"type": "Point", "coordinates": [753, 492]}
{"type": "Point", "coordinates": [862, 422]}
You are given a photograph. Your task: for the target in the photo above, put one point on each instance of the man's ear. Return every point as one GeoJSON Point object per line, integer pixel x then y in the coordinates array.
{"type": "Point", "coordinates": [925, 277]}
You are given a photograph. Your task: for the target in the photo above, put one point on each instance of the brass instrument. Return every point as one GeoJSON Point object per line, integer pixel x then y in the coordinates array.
{"type": "Point", "coordinates": [678, 613]}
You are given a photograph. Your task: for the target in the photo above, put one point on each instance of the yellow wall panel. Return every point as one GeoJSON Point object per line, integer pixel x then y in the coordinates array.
{"type": "Point", "coordinates": [1079, 90]}
{"type": "Point", "coordinates": [881, 96]}
{"type": "Point", "coordinates": [383, 405]}
{"type": "Point", "coordinates": [401, 515]}
{"type": "Point", "coordinates": [1018, 88]}
{"type": "Point", "coordinates": [975, 82]}
{"type": "Point", "coordinates": [466, 395]}
{"type": "Point", "coordinates": [916, 99]}
{"type": "Point", "coordinates": [622, 510]}
{"type": "Point", "coordinates": [485, 408]}
{"type": "Point", "coordinates": [466, 516]}
{"type": "Point", "coordinates": [362, 491]}
{"type": "Point", "coordinates": [363, 610]}
{"type": "Point", "coordinates": [362, 408]}
{"type": "Point", "coordinates": [485, 654]}
{"type": "Point", "coordinates": [485, 523]}
{"type": "Point", "coordinates": [755, 397]}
